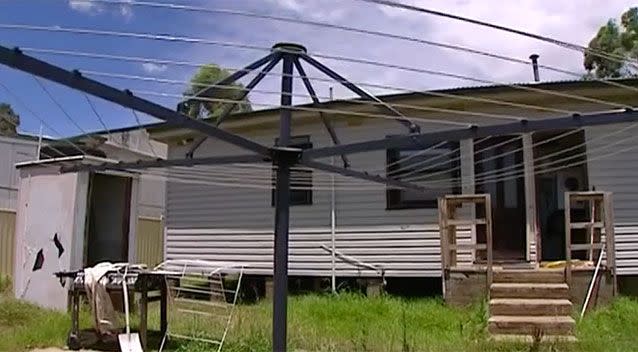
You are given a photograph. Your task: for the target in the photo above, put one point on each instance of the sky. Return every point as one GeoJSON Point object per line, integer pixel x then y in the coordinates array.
{"type": "Point", "coordinates": [567, 20]}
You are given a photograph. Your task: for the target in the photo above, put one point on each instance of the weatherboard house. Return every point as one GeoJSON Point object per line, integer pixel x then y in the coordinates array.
{"type": "Point", "coordinates": [221, 214]}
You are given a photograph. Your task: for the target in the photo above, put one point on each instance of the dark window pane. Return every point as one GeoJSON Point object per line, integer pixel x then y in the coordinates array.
{"type": "Point", "coordinates": [299, 178]}
{"type": "Point", "coordinates": [437, 169]}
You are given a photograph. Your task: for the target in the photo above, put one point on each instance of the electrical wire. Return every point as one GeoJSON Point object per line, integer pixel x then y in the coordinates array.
{"type": "Point", "coordinates": [170, 38]}
{"type": "Point", "coordinates": [580, 48]}
{"type": "Point", "coordinates": [200, 9]}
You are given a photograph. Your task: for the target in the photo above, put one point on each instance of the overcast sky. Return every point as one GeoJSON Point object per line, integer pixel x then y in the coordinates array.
{"type": "Point", "coordinates": [572, 21]}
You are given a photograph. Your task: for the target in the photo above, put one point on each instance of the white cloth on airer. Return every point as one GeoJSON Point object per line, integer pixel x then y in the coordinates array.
{"type": "Point", "coordinates": [104, 316]}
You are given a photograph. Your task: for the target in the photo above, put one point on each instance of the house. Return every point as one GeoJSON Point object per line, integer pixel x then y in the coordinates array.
{"type": "Point", "coordinates": [67, 221]}
{"type": "Point", "coordinates": [526, 176]}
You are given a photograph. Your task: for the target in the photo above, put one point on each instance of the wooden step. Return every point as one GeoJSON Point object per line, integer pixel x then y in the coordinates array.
{"type": "Point", "coordinates": [529, 290]}
{"type": "Point", "coordinates": [530, 325]}
{"type": "Point", "coordinates": [529, 339]}
{"type": "Point", "coordinates": [527, 276]}
{"type": "Point", "coordinates": [530, 306]}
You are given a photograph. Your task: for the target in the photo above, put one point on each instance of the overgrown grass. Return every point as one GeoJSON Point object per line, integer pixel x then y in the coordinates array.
{"type": "Point", "coordinates": [24, 326]}
{"type": "Point", "coordinates": [344, 323]}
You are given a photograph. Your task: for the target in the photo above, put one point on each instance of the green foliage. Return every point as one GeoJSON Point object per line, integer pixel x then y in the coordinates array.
{"type": "Point", "coordinates": [206, 76]}
{"type": "Point", "coordinates": [9, 120]}
{"type": "Point", "coordinates": [618, 40]}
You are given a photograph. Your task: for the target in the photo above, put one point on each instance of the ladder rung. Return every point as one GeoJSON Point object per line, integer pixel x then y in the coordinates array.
{"type": "Point", "coordinates": [465, 222]}
{"type": "Point", "coordinates": [585, 225]}
{"type": "Point", "coordinates": [585, 246]}
{"type": "Point", "coordinates": [478, 246]}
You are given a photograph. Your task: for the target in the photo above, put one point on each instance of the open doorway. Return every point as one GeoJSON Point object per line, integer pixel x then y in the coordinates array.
{"type": "Point", "coordinates": [497, 163]}
{"type": "Point", "coordinates": [108, 219]}
{"type": "Point", "coordinates": [560, 164]}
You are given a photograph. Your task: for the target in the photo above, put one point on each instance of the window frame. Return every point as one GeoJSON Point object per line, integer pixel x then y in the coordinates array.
{"type": "Point", "coordinates": [394, 197]}
{"type": "Point", "coordinates": [302, 142]}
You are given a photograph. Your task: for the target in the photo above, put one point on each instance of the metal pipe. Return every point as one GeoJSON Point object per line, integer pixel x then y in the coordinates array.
{"type": "Point", "coordinates": [282, 213]}
{"type": "Point", "coordinates": [333, 220]}
{"type": "Point", "coordinates": [315, 100]}
{"type": "Point", "coordinates": [534, 58]}
{"type": "Point", "coordinates": [37, 156]}
{"type": "Point", "coordinates": [74, 79]}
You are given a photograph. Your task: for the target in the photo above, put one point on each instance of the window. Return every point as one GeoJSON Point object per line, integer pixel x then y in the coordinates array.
{"type": "Point", "coordinates": [437, 168]}
{"type": "Point", "coordinates": [299, 178]}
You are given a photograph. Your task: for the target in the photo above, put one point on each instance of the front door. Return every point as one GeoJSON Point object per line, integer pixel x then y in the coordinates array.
{"type": "Point", "coordinates": [498, 165]}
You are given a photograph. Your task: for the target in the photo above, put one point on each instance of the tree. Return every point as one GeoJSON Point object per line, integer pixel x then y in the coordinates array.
{"type": "Point", "coordinates": [206, 76]}
{"type": "Point", "coordinates": [9, 120]}
{"type": "Point", "coordinates": [618, 40]}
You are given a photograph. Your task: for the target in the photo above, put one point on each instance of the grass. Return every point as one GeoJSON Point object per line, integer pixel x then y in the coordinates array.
{"type": "Point", "coordinates": [344, 323]}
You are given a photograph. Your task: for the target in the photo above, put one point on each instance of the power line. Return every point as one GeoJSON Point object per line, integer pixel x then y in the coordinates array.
{"type": "Point", "coordinates": [169, 38]}
{"type": "Point", "coordinates": [580, 48]}
{"type": "Point", "coordinates": [200, 9]}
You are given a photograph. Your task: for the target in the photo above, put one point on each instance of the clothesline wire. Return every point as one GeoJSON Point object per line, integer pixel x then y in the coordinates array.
{"type": "Point", "coordinates": [20, 102]}
{"type": "Point", "coordinates": [480, 178]}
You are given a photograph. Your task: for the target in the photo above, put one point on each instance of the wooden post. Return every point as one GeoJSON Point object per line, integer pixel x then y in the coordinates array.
{"type": "Point", "coordinates": [610, 239]}
{"type": "Point", "coordinates": [530, 199]}
{"type": "Point", "coordinates": [75, 311]}
{"type": "Point", "coordinates": [143, 310]}
{"type": "Point", "coordinates": [163, 307]}
{"type": "Point", "coordinates": [568, 239]}
{"type": "Point", "coordinates": [488, 239]}
{"type": "Point", "coordinates": [443, 233]}
{"type": "Point", "coordinates": [444, 242]}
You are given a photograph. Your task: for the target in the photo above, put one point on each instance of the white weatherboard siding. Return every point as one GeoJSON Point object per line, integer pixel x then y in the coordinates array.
{"type": "Point", "coordinates": [225, 223]}
{"type": "Point", "coordinates": [403, 251]}
{"type": "Point", "coordinates": [12, 151]}
{"type": "Point", "coordinates": [613, 167]}
{"type": "Point", "coordinates": [206, 206]}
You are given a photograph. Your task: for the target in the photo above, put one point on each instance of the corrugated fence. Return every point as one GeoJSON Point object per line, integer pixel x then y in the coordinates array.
{"type": "Point", "coordinates": [7, 244]}
{"type": "Point", "coordinates": [150, 241]}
